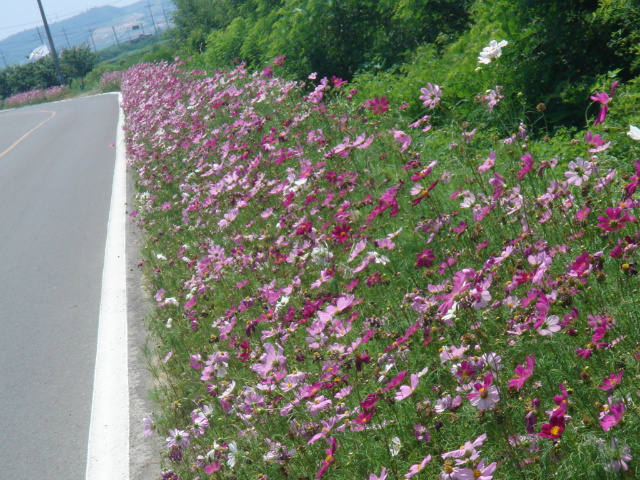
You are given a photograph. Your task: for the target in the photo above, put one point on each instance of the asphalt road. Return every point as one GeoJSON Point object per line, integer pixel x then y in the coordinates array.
{"type": "Point", "coordinates": [56, 172]}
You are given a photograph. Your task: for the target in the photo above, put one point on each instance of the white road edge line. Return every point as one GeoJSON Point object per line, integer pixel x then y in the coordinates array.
{"type": "Point", "coordinates": [108, 448]}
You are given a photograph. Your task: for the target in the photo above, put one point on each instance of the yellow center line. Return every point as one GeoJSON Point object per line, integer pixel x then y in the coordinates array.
{"type": "Point", "coordinates": [17, 142]}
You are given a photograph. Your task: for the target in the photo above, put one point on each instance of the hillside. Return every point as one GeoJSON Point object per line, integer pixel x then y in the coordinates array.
{"type": "Point", "coordinates": [101, 23]}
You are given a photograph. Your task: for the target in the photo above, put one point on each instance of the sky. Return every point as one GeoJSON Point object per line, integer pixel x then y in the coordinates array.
{"type": "Point", "coordinates": [18, 15]}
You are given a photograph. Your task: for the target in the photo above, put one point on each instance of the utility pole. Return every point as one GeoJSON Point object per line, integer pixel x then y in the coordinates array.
{"type": "Point", "coordinates": [53, 48]}
{"type": "Point", "coordinates": [65, 36]}
{"type": "Point", "coordinates": [165, 17]}
{"type": "Point", "coordinates": [94, 43]}
{"type": "Point", "coordinates": [152, 20]}
{"type": "Point", "coordinates": [4, 59]}
{"type": "Point", "coordinates": [40, 35]}
{"type": "Point", "coordinates": [115, 34]}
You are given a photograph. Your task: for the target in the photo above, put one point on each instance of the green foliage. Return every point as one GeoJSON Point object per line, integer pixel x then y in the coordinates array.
{"type": "Point", "coordinates": [31, 76]}
{"type": "Point", "coordinates": [556, 49]}
{"type": "Point", "coordinates": [194, 19]}
{"type": "Point", "coordinates": [77, 62]}
{"type": "Point", "coordinates": [621, 18]}
{"type": "Point", "coordinates": [115, 52]}
{"type": "Point", "coordinates": [337, 38]}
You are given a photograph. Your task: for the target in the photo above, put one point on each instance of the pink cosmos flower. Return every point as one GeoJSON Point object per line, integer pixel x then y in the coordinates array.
{"type": "Point", "coordinates": [561, 401]}
{"type": "Point", "coordinates": [452, 353]}
{"type": "Point", "coordinates": [523, 373]}
{"type": "Point", "coordinates": [431, 95]}
{"type": "Point", "coordinates": [579, 171]}
{"type": "Point", "coordinates": [596, 143]}
{"type": "Point", "coordinates": [417, 468]}
{"type": "Point", "coordinates": [421, 433]}
{"type": "Point", "coordinates": [270, 359]}
{"type": "Point", "coordinates": [488, 163]}
{"type": "Point", "coordinates": [326, 429]}
{"type": "Point", "coordinates": [148, 425]}
{"type": "Point", "coordinates": [468, 450]}
{"type": "Point", "coordinates": [212, 467]}
{"type": "Point", "coordinates": [613, 417]}
{"type": "Point", "coordinates": [582, 214]}
{"type": "Point", "coordinates": [485, 395]}
{"type": "Point", "coordinates": [480, 472]}
{"type": "Point", "coordinates": [395, 381]}
{"type": "Point", "coordinates": [610, 382]}
{"type": "Point", "coordinates": [448, 403]}
{"type": "Point", "coordinates": [382, 476]}
{"type": "Point", "coordinates": [178, 438]}
{"type": "Point", "coordinates": [603, 99]}
{"type": "Point", "coordinates": [403, 138]}
{"type": "Point", "coordinates": [622, 455]}
{"type": "Point", "coordinates": [492, 98]}
{"type": "Point", "coordinates": [527, 165]}
{"type": "Point", "coordinates": [406, 390]}
{"type": "Point", "coordinates": [333, 443]}
{"type": "Point", "coordinates": [548, 326]}
{"type": "Point", "coordinates": [338, 82]}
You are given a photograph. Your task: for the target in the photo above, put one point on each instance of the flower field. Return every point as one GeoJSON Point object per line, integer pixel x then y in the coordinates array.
{"type": "Point", "coordinates": [35, 96]}
{"type": "Point", "coordinates": [345, 293]}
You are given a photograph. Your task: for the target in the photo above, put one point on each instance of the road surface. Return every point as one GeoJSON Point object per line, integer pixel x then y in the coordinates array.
{"type": "Point", "coordinates": [56, 172]}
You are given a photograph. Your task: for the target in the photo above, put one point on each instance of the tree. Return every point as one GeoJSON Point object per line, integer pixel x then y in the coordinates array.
{"type": "Point", "coordinates": [77, 62]}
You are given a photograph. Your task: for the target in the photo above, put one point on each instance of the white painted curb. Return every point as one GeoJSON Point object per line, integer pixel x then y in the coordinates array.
{"type": "Point", "coordinates": [108, 448]}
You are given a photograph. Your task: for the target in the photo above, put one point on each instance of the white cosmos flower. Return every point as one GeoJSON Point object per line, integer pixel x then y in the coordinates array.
{"type": "Point", "coordinates": [634, 132]}
{"type": "Point", "coordinates": [231, 456]}
{"type": "Point", "coordinates": [494, 50]}
{"type": "Point", "coordinates": [394, 446]}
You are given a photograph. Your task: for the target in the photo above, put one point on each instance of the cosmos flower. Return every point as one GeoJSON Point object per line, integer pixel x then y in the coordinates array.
{"type": "Point", "coordinates": [634, 132]}
{"type": "Point", "coordinates": [431, 95]}
{"type": "Point", "coordinates": [494, 50]}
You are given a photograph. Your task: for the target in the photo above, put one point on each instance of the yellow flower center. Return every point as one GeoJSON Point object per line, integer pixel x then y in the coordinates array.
{"type": "Point", "coordinates": [555, 431]}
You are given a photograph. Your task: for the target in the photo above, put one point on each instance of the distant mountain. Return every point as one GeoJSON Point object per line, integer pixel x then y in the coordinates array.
{"type": "Point", "coordinates": [100, 26]}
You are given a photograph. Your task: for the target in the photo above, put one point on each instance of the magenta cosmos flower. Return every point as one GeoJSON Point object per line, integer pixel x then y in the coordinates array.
{"type": "Point", "coordinates": [554, 428]}
{"type": "Point", "coordinates": [329, 458]}
{"type": "Point", "coordinates": [425, 258]}
{"type": "Point", "coordinates": [615, 220]}
{"type": "Point", "coordinates": [603, 99]}
{"type": "Point", "coordinates": [610, 382]}
{"type": "Point", "coordinates": [523, 372]}
{"type": "Point", "coordinates": [378, 104]}
{"type": "Point", "coordinates": [612, 416]}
